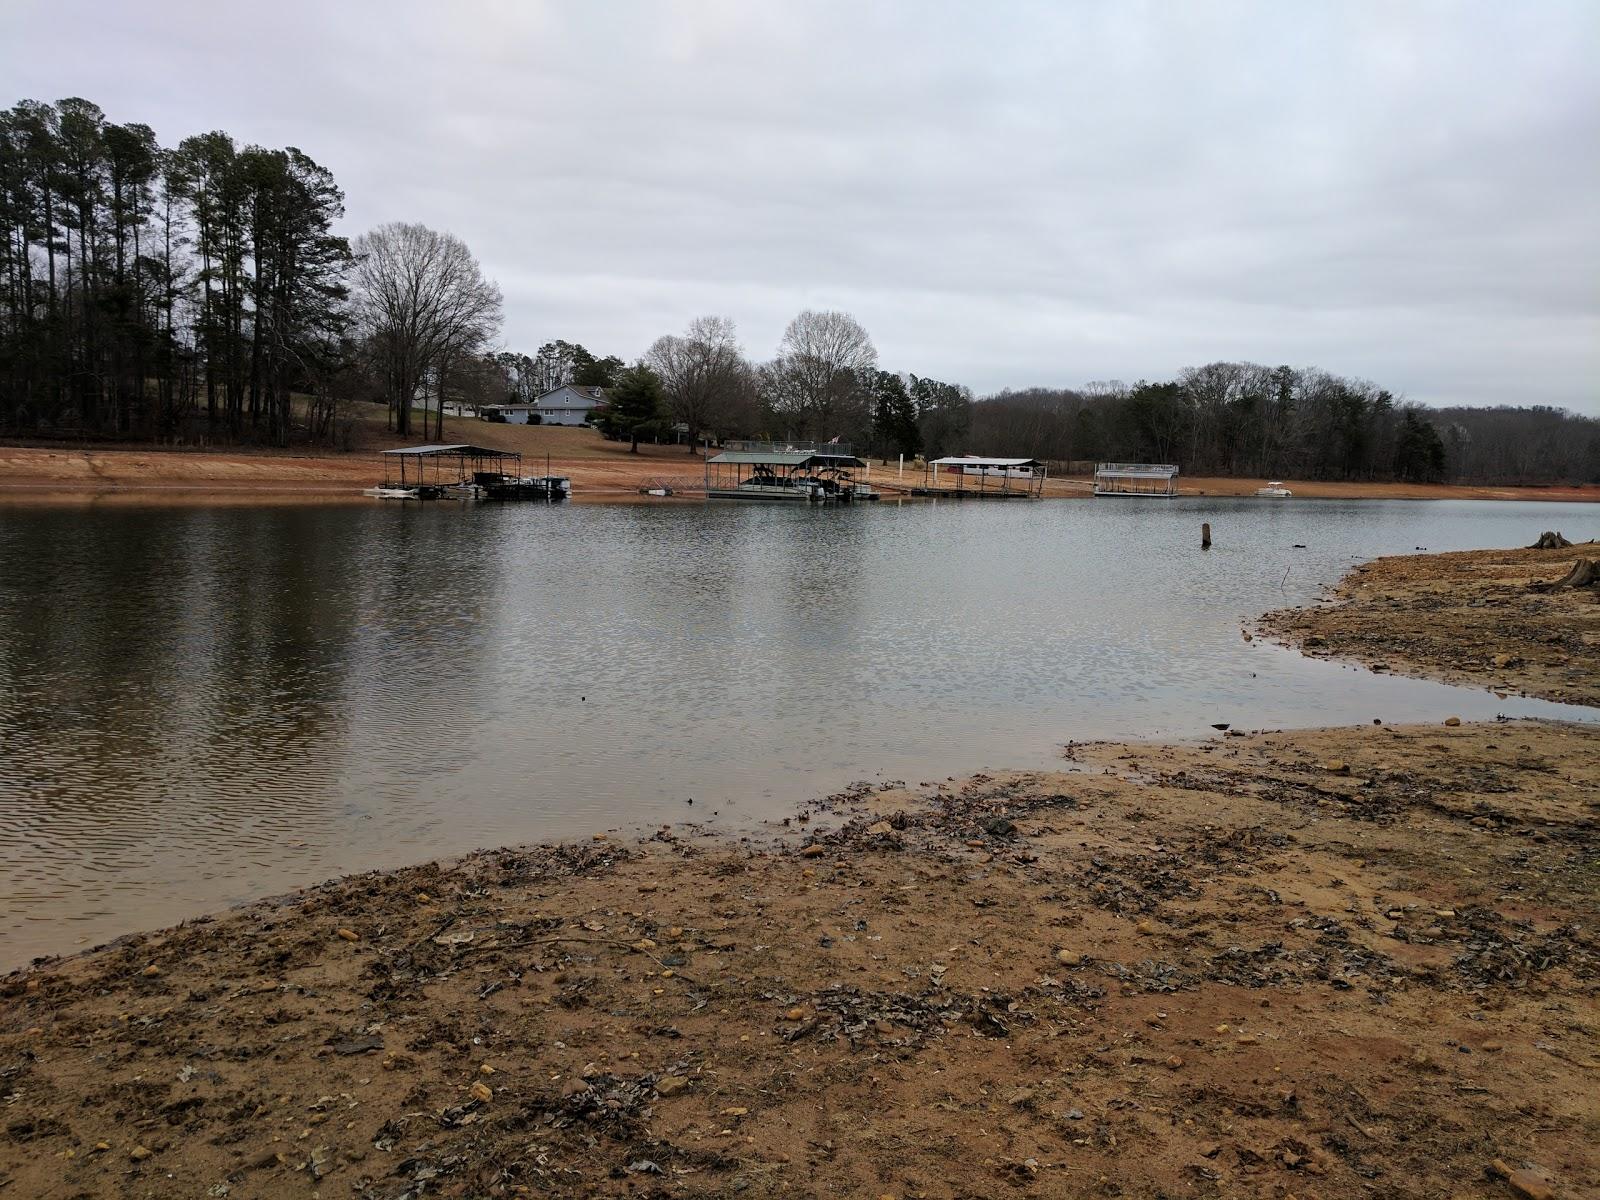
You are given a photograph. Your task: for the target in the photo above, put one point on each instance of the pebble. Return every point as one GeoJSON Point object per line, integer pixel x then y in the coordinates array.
{"type": "Point", "coordinates": [813, 851]}
{"type": "Point", "coordinates": [1452, 721]}
{"type": "Point", "coordinates": [151, 971]}
{"type": "Point", "coordinates": [1175, 1062]}
{"type": "Point", "coordinates": [881, 828]}
{"type": "Point", "coordinates": [349, 935]}
{"type": "Point", "coordinates": [1069, 958]}
{"type": "Point", "coordinates": [795, 1014]}
{"type": "Point", "coordinates": [481, 1091]}
{"type": "Point", "coordinates": [1336, 766]}
{"type": "Point", "coordinates": [671, 1085]}
{"type": "Point", "coordinates": [140, 1153]}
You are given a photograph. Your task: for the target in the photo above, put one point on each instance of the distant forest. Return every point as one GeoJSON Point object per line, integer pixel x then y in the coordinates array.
{"type": "Point", "coordinates": [199, 293]}
{"type": "Point", "coordinates": [1250, 420]}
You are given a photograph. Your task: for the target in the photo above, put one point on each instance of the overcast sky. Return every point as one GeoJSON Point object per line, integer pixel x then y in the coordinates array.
{"type": "Point", "coordinates": [1004, 194]}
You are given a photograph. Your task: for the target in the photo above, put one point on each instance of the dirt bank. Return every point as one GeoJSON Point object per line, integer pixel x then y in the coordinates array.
{"type": "Point", "coordinates": [1322, 964]}
{"type": "Point", "coordinates": [1474, 617]}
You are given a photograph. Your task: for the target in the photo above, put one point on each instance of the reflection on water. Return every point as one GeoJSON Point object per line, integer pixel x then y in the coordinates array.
{"type": "Point", "coordinates": [201, 705]}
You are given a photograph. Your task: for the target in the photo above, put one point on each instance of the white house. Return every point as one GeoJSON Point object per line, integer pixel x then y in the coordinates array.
{"type": "Point", "coordinates": [568, 405]}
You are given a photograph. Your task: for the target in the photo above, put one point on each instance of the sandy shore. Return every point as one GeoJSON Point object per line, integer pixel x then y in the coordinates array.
{"type": "Point", "coordinates": [1476, 617]}
{"type": "Point", "coordinates": [599, 470]}
{"type": "Point", "coordinates": [1322, 964]}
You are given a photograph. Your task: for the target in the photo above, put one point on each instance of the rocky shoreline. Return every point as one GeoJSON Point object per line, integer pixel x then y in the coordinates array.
{"type": "Point", "coordinates": [1320, 963]}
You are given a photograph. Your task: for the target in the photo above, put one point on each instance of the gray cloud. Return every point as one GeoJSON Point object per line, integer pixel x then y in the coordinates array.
{"type": "Point", "coordinates": [1004, 194]}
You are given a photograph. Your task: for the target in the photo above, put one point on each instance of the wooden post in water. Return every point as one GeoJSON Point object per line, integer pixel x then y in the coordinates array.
{"type": "Point", "coordinates": [1205, 535]}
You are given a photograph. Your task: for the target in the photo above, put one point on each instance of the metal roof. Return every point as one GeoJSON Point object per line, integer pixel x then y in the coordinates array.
{"type": "Point", "coordinates": [972, 460]}
{"type": "Point", "coordinates": [464, 451]}
{"type": "Point", "coordinates": [1136, 470]}
{"type": "Point", "coordinates": [787, 458]}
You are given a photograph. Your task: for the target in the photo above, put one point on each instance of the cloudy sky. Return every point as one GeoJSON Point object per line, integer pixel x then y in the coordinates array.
{"type": "Point", "coordinates": [1004, 194]}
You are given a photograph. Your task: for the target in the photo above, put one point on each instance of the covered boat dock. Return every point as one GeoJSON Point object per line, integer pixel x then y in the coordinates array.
{"type": "Point", "coordinates": [806, 472]}
{"type": "Point", "coordinates": [1135, 479]}
{"type": "Point", "coordinates": [974, 477]}
{"type": "Point", "coordinates": [463, 471]}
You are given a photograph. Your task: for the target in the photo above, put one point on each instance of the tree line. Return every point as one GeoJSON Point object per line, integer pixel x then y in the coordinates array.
{"type": "Point", "coordinates": [1245, 419]}
{"type": "Point", "coordinates": [143, 285]}
{"type": "Point", "coordinates": [198, 290]}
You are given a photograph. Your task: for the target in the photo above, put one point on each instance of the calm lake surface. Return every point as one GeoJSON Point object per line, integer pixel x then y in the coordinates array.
{"type": "Point", "coordinates": [201, 705]}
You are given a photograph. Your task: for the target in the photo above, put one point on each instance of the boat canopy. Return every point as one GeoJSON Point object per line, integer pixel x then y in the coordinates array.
{"type": "Point", "coordinates": [457, 451]}
{"type": "Point", "coordinates": [973, 460]}
{"type": "Point", "coordinates": [786, 458]}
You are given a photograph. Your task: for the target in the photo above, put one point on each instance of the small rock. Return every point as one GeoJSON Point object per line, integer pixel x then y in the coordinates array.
{"type": "Point", "coordinates": [1525, 1181]}
{"type": "Point", "coordinates": [481, 1091]}
{"type": "Point", "coordinates": [1145, 925]}
{"type": "Point", "coordinates": [1069, 958]}
{"type": "Point", "coordinates": [349, 935]}
{"type": "Point", "coordinates": [671, 1085]}
{"type": "Point", "coordinates": [735, 1112]}
{"type": "Point", "coordinates": [1336, 766]}
{"type": "Point", "coordinates": [813, 851]}
{"type": "Point", "coordinates": [140, 1153]}
{"type": "Point", "coordinates": [1210, 1149]}
{"type": "Point", "coordinates": [151, 971]}
{"type": "Point", "coordinates": [1452, 721]}
{"type": "Point", "coordinates": [999, 827]}
{"type": "Point", "coordinates": [795, 1014]}
{"type": "Point", "coordinates": [881, 829]}
{"type": "Point", "coordinates": [1175, 1062]}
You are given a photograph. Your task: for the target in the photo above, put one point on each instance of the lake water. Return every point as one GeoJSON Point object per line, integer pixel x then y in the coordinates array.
{"type": "Point", "coordinates": [201, 705]}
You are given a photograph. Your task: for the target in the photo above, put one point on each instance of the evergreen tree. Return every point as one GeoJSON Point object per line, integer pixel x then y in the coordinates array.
{"type": "Point", "coordinates": [633, 404]}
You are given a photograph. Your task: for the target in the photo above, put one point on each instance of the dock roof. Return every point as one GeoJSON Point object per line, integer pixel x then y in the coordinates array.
{"type": "Point", "coordinates": [973, 460]}
{"type": "Point", "coordinates": [787, 458]}
{"type": "Point", "coordinates": [461, 450]}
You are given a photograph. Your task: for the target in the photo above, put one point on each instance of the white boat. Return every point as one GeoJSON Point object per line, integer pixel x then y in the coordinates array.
{"type": "Point", "coordinates": [1274, 490]}
{"type": "Point", "coordinates": [393, 493]}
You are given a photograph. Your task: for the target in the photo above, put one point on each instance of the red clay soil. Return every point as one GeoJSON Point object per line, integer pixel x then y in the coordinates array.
{"type": "Point", "coordinates": [599, 469]}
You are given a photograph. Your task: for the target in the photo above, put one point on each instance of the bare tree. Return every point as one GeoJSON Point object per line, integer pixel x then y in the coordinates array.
{"type": "Point", "coordinates": [423, 301]}
{"type": "Point", "coordinates": [822, 375]}
{"type": "Point", "coordinates": [702, 373]}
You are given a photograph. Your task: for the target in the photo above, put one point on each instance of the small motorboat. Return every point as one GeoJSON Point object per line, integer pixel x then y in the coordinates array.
{"type": "Point", "coordinates": [1274, 490]}
{"type": "Point", "coordinates": [394, 493]}
{"type": "Point", "coordinates": [655, 491]}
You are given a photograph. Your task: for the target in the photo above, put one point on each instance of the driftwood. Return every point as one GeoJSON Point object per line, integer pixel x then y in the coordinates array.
{"type": "Point", "coordinates": [1549, 540]}
{"type": "Point", "coordinates": [1585, 573]}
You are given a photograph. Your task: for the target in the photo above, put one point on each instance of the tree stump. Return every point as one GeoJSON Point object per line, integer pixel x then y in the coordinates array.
{"type": "Point", "coordinates": [1549, 540]}
{"type": "Point", "coordinates": [1585, 573]}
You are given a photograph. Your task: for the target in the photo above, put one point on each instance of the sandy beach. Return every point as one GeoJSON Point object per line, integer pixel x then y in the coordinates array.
{"type": "Point", "coordinates": [1317, 963]}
